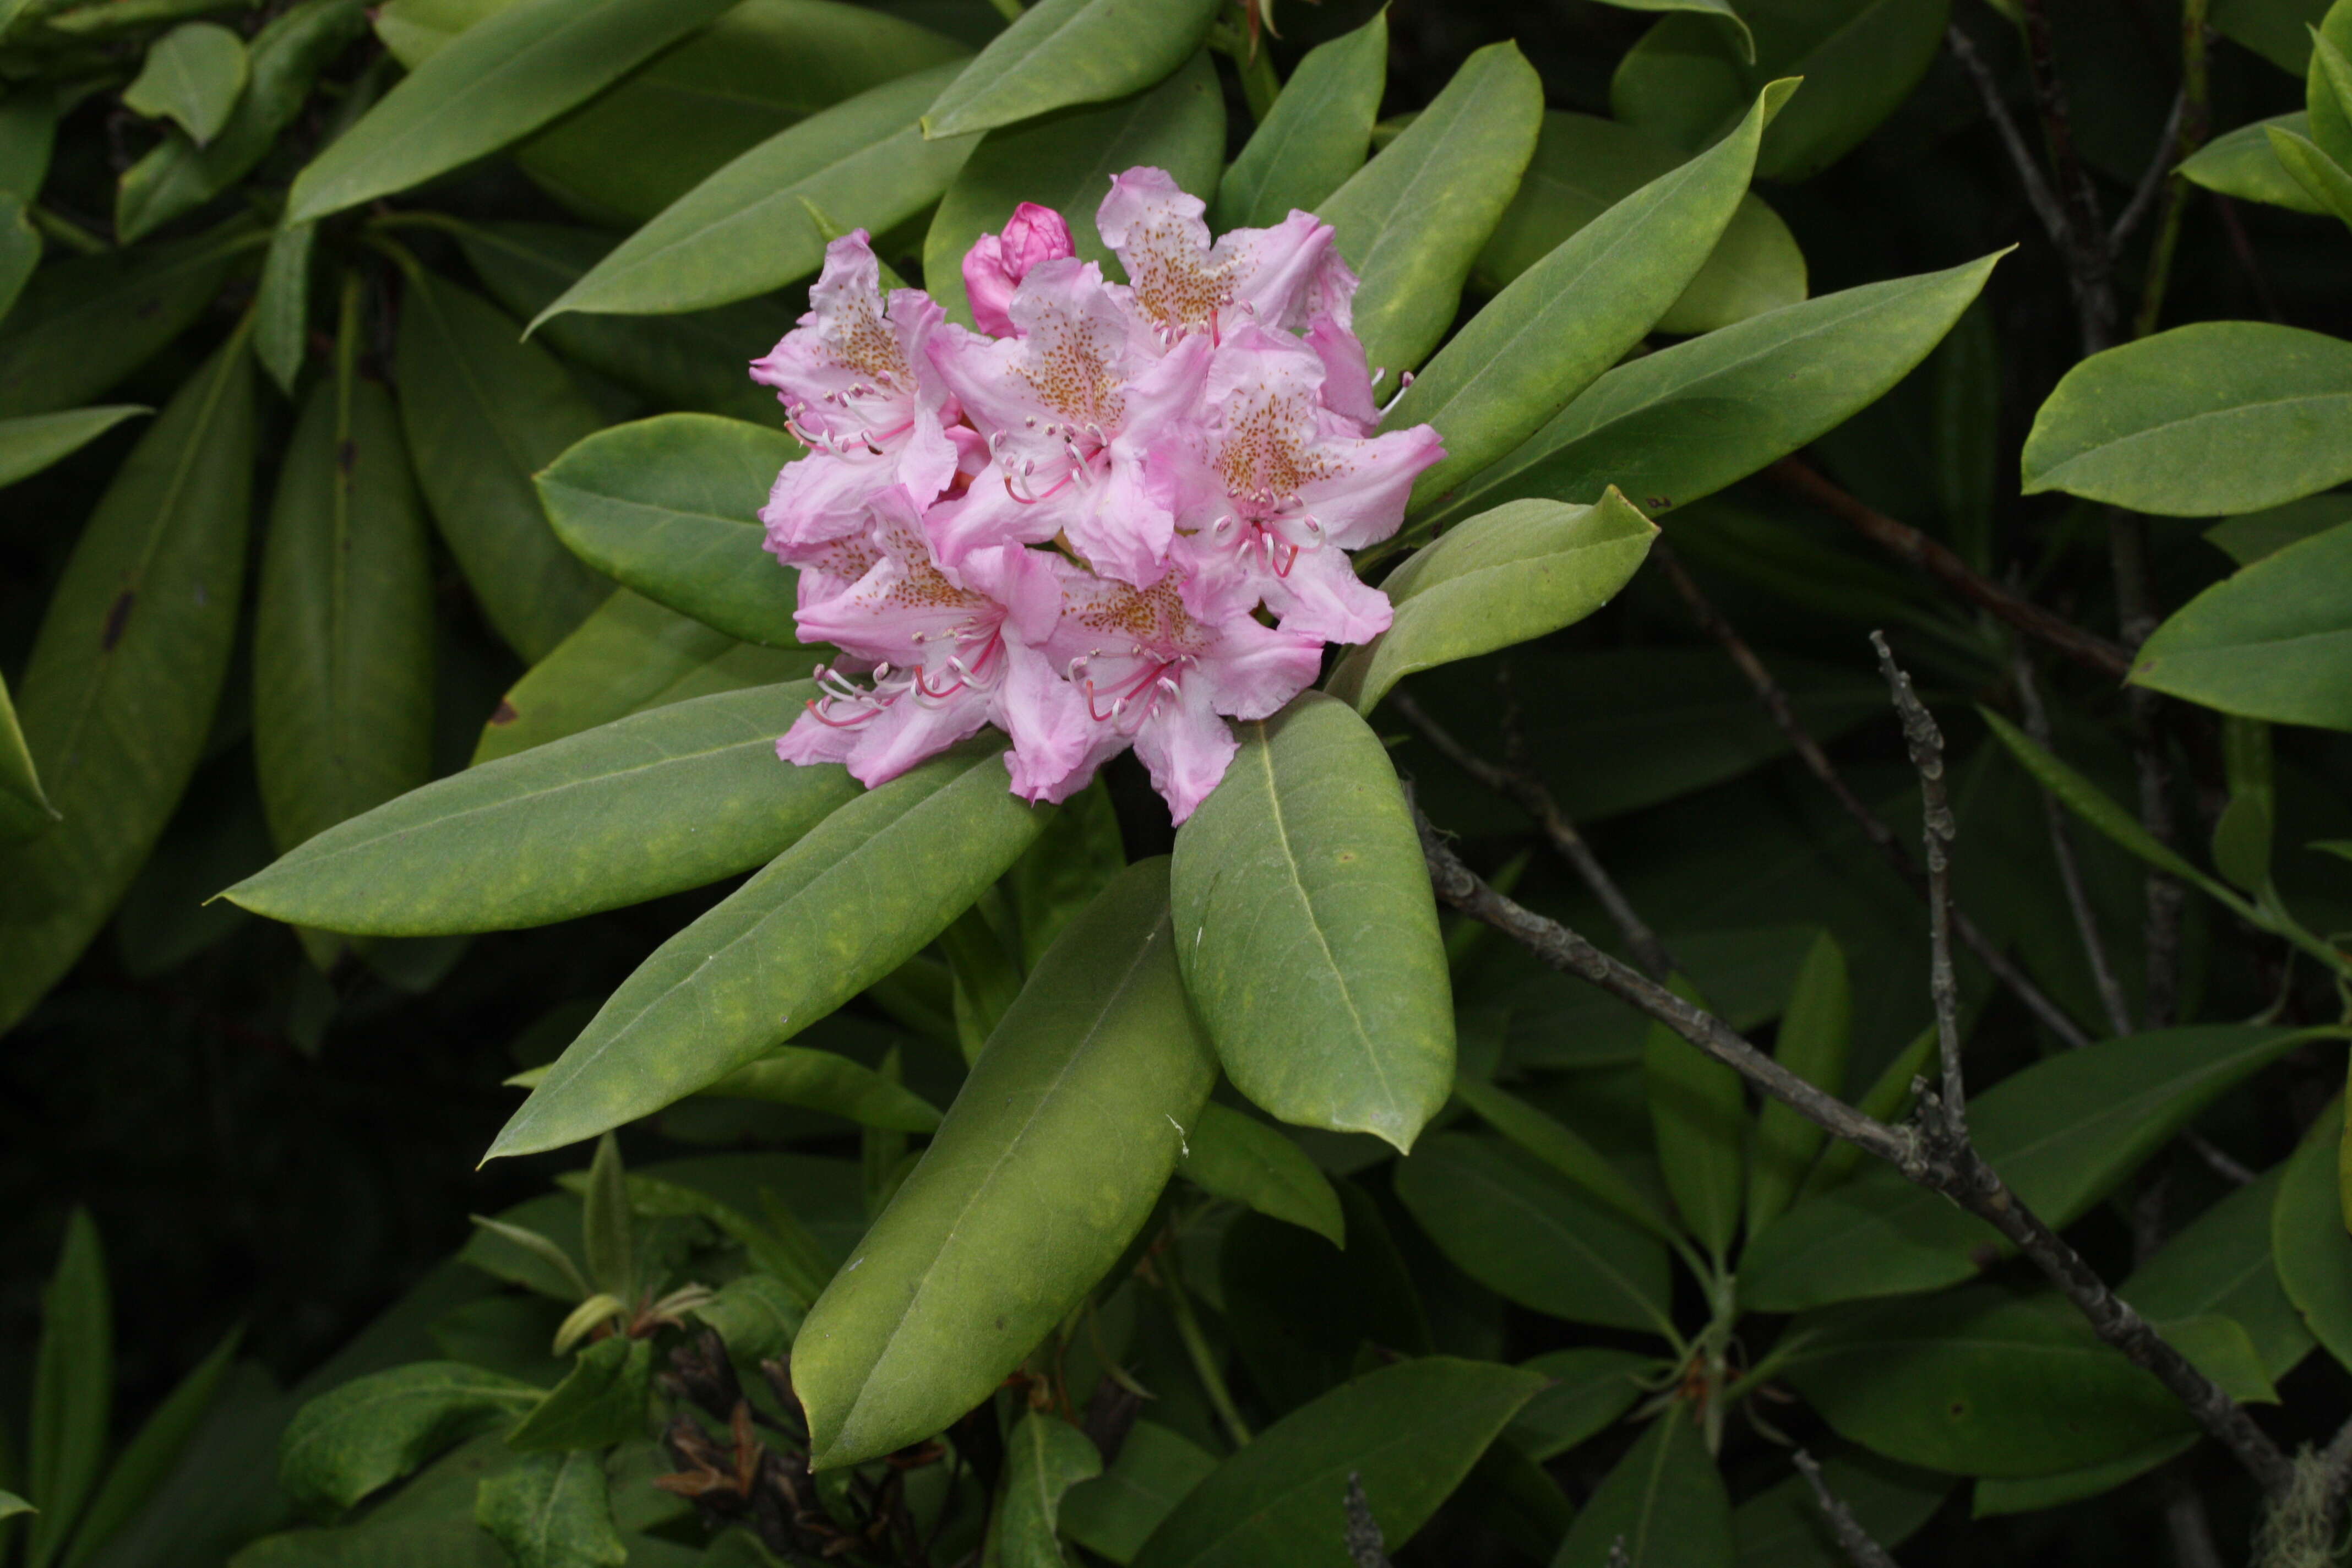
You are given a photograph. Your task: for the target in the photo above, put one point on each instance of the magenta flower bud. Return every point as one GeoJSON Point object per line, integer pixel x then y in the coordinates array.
{"type": "Point", "coordinates": [995, 266]}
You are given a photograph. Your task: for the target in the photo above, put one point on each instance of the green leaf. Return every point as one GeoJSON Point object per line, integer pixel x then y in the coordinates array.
{"type": "Point", "coordinates": [150, 1456]}
{"type": "Point", "coordinates": [1413, 220]}
{"type": "Point", "coordinates": [2221, 1264]}
{"type": "Point", "coordinates": [1045, 1458]}
{"type": "Point", "coordinates": [372, 1430]}
{"type": "Point", "coordinates": [1315, 135]}
{"type": "Point", "coordinates": [2062, 1133]}
{"type": "Point", "coordinates": [1047, 1163]}
{"type": "Point", "coordinates": [499, 81]}
{"type": "Point", "coordinates": [2243, 833]}
{"type": "Point", "coordinates": [1300, 1311]}
{"type": "Point", "coordinates": [117, 699]}
{"type": "Point", "coordinates": [1527, 1234]}
{"type": "Point", "coordinates": [1978, 1382]}
{"type": "Point", "coordinates": [1231, 1155]}
{"type": "Point", "coordinates": [342, 650]}
{"type": "Point", "coordinates": [756, 1314]}
{"type": "Point", "coordinates": [606, 1234]}
{"type": "Point", "coordinates": [283, 60]}
{"type": "Point", "coordinates": [747, 229]}
{"type": "Point", "coordinates": [1310, 943]}
{"type": "Point", "coordinates": [1507, 577]}
{"type": "Point", "coordinates": [192, 74]}
{"type": "Point", "coordinates": [2273, 642]}
{"type": "Point", "coordinates": [2250, 536]}
{"type": "Point", "coordinates": [1066, 162]}
{"type": "Point", "coordinates": [2277, 30]}
{"type": "Point", "coordinates": [553, 1512]}
{"type": "Point", "coordinates": [1996, 1495]}
{"type": "Point", "coordinates": [20, 251]}
{"type": "Point", "coordinates": [1681, 424]}
{"type": "Point", "coordinates": [28, 130]}
{"type": "Point", "coordinates": [1057, 876]}
{"type": "Point", "coordinates": [2308, 1241]}
{"type": "Point", "coordinates": [1686, 81]}
{"type": "Point", "coordinates": [1576, 309]}
{"type": "Point", "coordinates": [34, 442]}
{"type": "Point", "coordinates": [83, 324]}
{"type": "Point", "coordinates": [73, 1388]}
{"type": "Point", "coordinates": [1583, 166]}
{"type": "Point", "coordinates": [729, 987]}
{"type": "Point", "coordinates": [2242, 164]}
{"type": "Point", "coordinates": [484, 412]}
{"type": "Point", "coordinates": [1815, 1034]}
{"type": "Point", "coordinates": [2328, 86]}
{"type": "Point", "coordinates": [2207, 419]}
{"type": "Point", "coordinates": [822, 1080]}
{"type": "Point", "coordinates": [1591, 1387]}
{"type": "Point", "coordinates": [1066, 52]}
{"type": "Point", "coordinates": [1782, 1527]}
{"type": "Point", "coordinates": [646, 806]}
{"type": "Point", "coordinates": [670, 507]}
{"type": "Point", "coordinates": [1409, 1432]}
{"type": "Point", "coordinates": [1698, 1119]}
{"type": "Point", "coordinates": [2093, 804]}
{"type": "Point", "coordinates": [521, 1256]}
{"type": "Point", "coordinates": [1665, 1500]}
{"type": "Point", "coordinates": [25, 808]}
{"type": "Point", "coordinates": [282, 326]}
{"type": "Point", "coordinates": [1564, 1150]}
{"type": "Point", "coordinates": [1116, 1512]}
{"type": "Point", "coordinates": [600, 1402]}
{"type": "Point", "coordinates": [11, 1505]}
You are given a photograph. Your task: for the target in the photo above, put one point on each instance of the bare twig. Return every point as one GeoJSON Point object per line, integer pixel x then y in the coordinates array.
{"type": "Point", "coordinates": [2152, 180]}
{"type": "Point", "coordinates": [1852, 1538]}
{"type": "Point", "coordinates": [2084, 648]}
{"type": "Point", "coordinates": [1366, 1546]}
{"type": "Point", "coordinates": [1926, 744]}
{"type": "Point", "coordinates": [2219, 1160]}
{"type": "Point", "coordinates": [1520, 784]}
{"type": "Point", "coordinates": [2194, 122]}
{"type": "Point", "coordinates": [2242, 248]}
{"type": "Point", "coordinates": [2090, 261]}
{"type": "Point", "coordinates": [1783, 713]}
{"type": "Point", "coordinates": [2070, 872]}
{"type": "Point", "coordinates": [2038, 192]}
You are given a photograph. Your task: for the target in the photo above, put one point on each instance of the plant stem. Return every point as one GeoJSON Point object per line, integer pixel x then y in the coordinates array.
{"type": "Point", "coordinates": [1196, 1347]}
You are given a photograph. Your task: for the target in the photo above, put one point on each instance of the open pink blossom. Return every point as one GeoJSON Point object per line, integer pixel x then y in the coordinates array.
{"type": "Point", "coordinates": [1179, 283]}
{"type": "Point", "coordinates": [995, 266]}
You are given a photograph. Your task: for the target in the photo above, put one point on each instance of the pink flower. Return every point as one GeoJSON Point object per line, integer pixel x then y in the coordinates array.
{"type": "Point", "coordinates": [1179, 283]}
{"type": "Point", "coordinates": [995, 266]}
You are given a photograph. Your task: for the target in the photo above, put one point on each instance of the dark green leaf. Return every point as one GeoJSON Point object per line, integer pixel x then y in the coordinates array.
{"type": "Point", "coordinates": [1816, 1032]}
{"type": "Point", "coordinates": [20, 250]}
{"type": "Point", "coordinates": [1066, 52]}
{"type": "Point", "coordinates": [372, 1430]}
{"type": "Point", "coordinates": [2241, 163]}
{"type": "Point", "coordinates": [553, 1512]}
{"type": "Point", "coordinates": [1664, 1502]}
{"type": "Point", "coordinates": [821, 1080]}
{"type": "Point", "coordinates": [2324, 180]}
{"type": "Point", "coordinates": [73, 1388]}
{"type": "Point", "coordinates": [601, 1402]}
{"type": "Point", "coordinates": [1057, 876]}
{"type": "Point", "coordinates": [1314, 137]}
{"type": "Point", "coordinates": [1234, 1156]}
{"type": "Point", "coordinates": [606, 1234]}
{"type": "Point", "coordinates": [1303, 1313]}
{"type": "Point", "coordinates": [32, 443]}
{"type": "Point", "coordinates": [84, 324]}
{"type": "Point", "coordinates": [2273, 642]}
{"type": "Point", "coordinates": [1591, 1387]}
{"type": "Point", "coordinates": [29, 129]}
{"type": "Point", "coordinates": [1310, 940]}
{"type": "Point", "coordinates": [521, 1255]}
{"type": "Point", "coordinates": [1116, 1512]}
{"type": "Point", "coordinates": [2312, 1252]}
{"type": "Point", "coordinates": [25, 808]}
{"type": "Point", "coordinates": [282, 309]}
{"type": "Point", "coordinates": [729, 987]}
{"type": "Point", "coordinates": [757, 1314]}
{"type": "Point", "coordinates": [1564, 1150]}
{"type": "Point", "coordinates": [1409, 1432]}
{"type": "Point", "coordinates": [1698, 1117]}
{"type": "Point", "coordinates": [150, 1457]}
{"type": "Point", "coordinates": [1046, 1165]}
{"type": "Point", "coordinates": [1995, 1495]}
{"type": "Point", "coordinates": [670, 507]}
{"type": "Point", "coordinates": [1045, 1458]}
{"type": "Point", "coordinates": [2278, 30]}
{"type": "Point", "coordinates": [192, 74]}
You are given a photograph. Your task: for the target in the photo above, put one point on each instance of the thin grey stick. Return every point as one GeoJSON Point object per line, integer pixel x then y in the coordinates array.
{"type": "Point", "coordinates": [1926, 744]}
{"type": "Point", "coordinates": [2070, 873]}
{"type": "Point", "coordinates": [2151, 180]}
{"type": "Point", "coordinates": [1852, 1538]}
{"type": "Point", "coordinates": [2038, 194]}
{"type": "Point", "coordinates": [1367, 1548]}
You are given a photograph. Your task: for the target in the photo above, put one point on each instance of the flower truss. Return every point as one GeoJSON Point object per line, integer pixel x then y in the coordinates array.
{"type": "Point", "coordinates": [1116, 515]}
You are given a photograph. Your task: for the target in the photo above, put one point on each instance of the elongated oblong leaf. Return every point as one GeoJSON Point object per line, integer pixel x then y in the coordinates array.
{"type": "Point", "coordinates": [499, 79]}
{"type": "Point", "coordinates": [1509, 575]}
{"type": "Point", "coordinates": [2224, 1264]}
{"type": "Point", "coordinates": [24, 807]}
{"type": "Point", "coordinates": [2273, 642]}
{"type": "Point", "coordinates": [645, 806]}
{"type": "Point", "coordinates": [2202, 421]}
{"type": "Point", "coordinates": [1665, 1502]}
{"type": "Point", "coordinates": [1314, 136]}
{"type": "Point", "coordinates": [1815, 1034]}
{"type": "Point", "coordinates": [32, 443]}
{"type": "Point", "coordinates": [824, 921]}
{"type": "Point", "coordinates": [1412, 221]}
{"type": "Point", "coordinates": [372, 1430]}
{"type": "Point", "coordinates": [73, 1387]}
{"type": "Point", "coordinates": [150, 1456]}
{"type": "Point", "coordinates": [670, 507]}
{"type": "Point", "coordinates": [1045, 1166]}
{"type": "Point", "coordinates": [1116, 1511]}
{"type": "Point", "coordinates": [1409, 1433]}
{"type": "Point", "coordinates": [82, 325]}
{"type": "Point", "coordinates": [1310, 942]}
{"type": "Point", "coordinates": [1065, 52]}
{"type": "Point", "coordinates": [2313, 1253]}
{"type": "Point", "coordinates": [1045, 1457]}
{"type": "Point", "coordinates": [1236, 1157]}
{"type": "Point", "coordinates": [1698, 1119]}
{"type": "Point", "coordinates": [1591, 1387]}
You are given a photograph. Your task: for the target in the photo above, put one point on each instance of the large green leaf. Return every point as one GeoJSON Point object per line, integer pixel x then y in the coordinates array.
{"type": "Point", "coordinates": [1066, 52]}
{"type": "Point", "coordinates": [670, 507]}
{"type": "Point", "coordinates": [824, 921]}
{"type": "Point", "coordinates": [2062, 1133]}
{"type": "Point", "coordinates": [1686, 80]}
{"type": "Point", "coordinates": [483, 412]}
{"type": "Point", "coordinates": [1814, 1037]}
{"type": "Point", "coordinates": [1045, 1457]}
{"type": "Point", "coordinates": [501, 80]}
{"type": "Point", "coordinates": [654, 803]}
{"type": "Point", "coordinates": [1413, 220]}
{"type": "Point", "coordinates": [1978, 1382]}
{"type": "Point", "coordinates": [1047, 1163]}
{"type": "Point", "coordinates": [602, 1400]}
{"type": "Point", "coordinates": [73, 1388]}
{"type": "Point", "coordinates": [118, 696]}
{"type": "Point", "coordinates": [2203, 420]}
{"type": "Point", "coordinates": [2241, 163]}
{"type": "Point", "coordinates": [2250, 536]}
{"type": "Point", "coordinates": [1409, 1433]}
{"type": "Point", "coordinates": [1114, 1514]}
{"type": "Point", "coordinates": [1698, 1119]}
{"type": "Point", "coordinates": [32, 443]}
{"type": "Point", "coordinates": [553, 1512]}
{"type": "Point", "coordinates": [1314, 137]}
{"type": "Point", "coordinates": [1583, 166]}
{"type": "Point", "coordinates": [2273, 642]}
{"type": "Point", "coordinates": [1311, 945]}
{"type": "Point", "coordinates": [1236, 1156]}
{"type": "Point", "coordinates": [1565, 1151]}
{"type": "Point", "coordinates": [372, 1430]}
{"type": "Point", "coordinates": [342, 700]}
{"type": "Point", "coordinates": [192, 74]}
{"type": "Point", "coordinates": [281, 305]}
{"type": "Point", "coordinates": [1066, 162]}
{"type": "Point", "coordinates": [1507, 577]}
{"type": "Point", "coordinates": [1575, 310]}
{"type": "Point", "coordinates": [1591, 1387]}
{"type": "Point", "coordinates": [1301, 1312]}
{"type": "Point", "coordinates": [2312, 1252]}
{"type": "Point", "coordinates": [82, 325]}
{"type": "Point", "coordinates": [1664, 1502]}
{"type": "Point", "coordinates": [748, 229]}
{"type": "Point", "coordinates": [1683, 423]}
{"type": "Point", "coordinates": [1525, 1232]}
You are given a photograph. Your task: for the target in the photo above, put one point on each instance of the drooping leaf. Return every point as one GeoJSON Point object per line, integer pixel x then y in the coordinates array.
{"type": "Point", "coordinates": [1303, 1313]}
{"type": "Point", "coordinates": [1234, 1156]}
{"type": "Point", "coordinates": [84, 324]}
{"type": "Point", "coordinates": [646, 806]}
{"type": "Point", "coordinates": [32, 443]}
{"type": "Point", "coordinates": [2308, 1241]}
{"type": "Point", "coordinates": [364, 1434]}
{"type": "Point", "coordinates": [1045, 1458]}
{"type": "Point", "coordinates": [1504, 577]}
{"type": "Point", "coordinates": [553, 1511]}
{"type": "Point", "coordinates": [118, 696]}
{"type": "Point", "coordinates": [728, 988]}
{"type": "Point", "coordinates": [1409, 1432]}
{"type": "Point", "coordinates": [1813, 1040]}
{"type": "Point", "coordinates": [1057, 877]}
{"type": "Point", "coordinates": [148, 1457]}
{"type": "Point", "coordinates": [2241, 163]}
{"type": "Point", "coordinates": [670, 507]}
{"type": "Point", "coordinates": [192, 74]}
{"type": "Point", "coordinates": [1113, 1514]}
{"type": "Point", "coordinates": [1315, 135]}
{"type": "Point", "coordinates": [1310, 942]}
{"type": "Point", "coordinates": [756, 1314]}
{"type": "Point", "coordinates": [1665, 1500]}
{"type": "Point", "coordinates": [73, 1388]}
{"type": "Point", "coordinates": [1591, 1387]}
{"type": "Point", "coordinates": [601, 1402]}
{"type": "Point", "coordinates": [2273, 642]}
{"type": "Point", "coordinates": [1995, 1495]}
{"type": "Point", "coordinates": [1066, 162]}
{"type": "Point", "coordinates": [1046, 1165]}
{"type": "Point", "coordinates": [1412, 221]}
{"type": "Point", "coordinates": [1566, 1152]}
{"type": "Point", "coordinates": [1066, 52]}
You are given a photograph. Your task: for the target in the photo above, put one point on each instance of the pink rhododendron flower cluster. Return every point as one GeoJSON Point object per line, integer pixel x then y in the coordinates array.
{"type": "Point", "coordinates": [1117, 515]}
